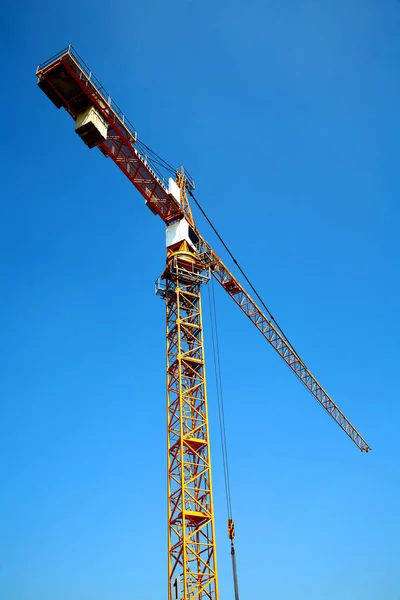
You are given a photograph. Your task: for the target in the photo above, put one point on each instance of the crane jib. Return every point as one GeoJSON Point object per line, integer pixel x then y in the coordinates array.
{"type": "Point", "coordinates": [264, 325]}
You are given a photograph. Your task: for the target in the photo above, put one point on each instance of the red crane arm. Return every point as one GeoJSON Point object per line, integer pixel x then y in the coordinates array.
{"type": "Point", "coordinates": [222, 274]}
{"type": "Point", "coordinates": [69, 83]}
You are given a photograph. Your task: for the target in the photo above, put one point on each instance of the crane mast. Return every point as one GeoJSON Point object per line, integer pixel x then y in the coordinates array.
{"type": "Point", "coordinates": [192, 564]}
{"type": "Point", "coordinates": [191, 534]}
{"type": "Point", "coordinates": [192, 568]}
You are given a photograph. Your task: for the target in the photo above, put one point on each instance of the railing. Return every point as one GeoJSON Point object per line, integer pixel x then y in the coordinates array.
{"type": "Point", "coordinates": [93, 79]}
{"type": "Point", "coordinates": [153, 165]}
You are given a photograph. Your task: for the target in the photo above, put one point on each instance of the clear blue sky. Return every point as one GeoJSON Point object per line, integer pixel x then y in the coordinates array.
{"type": "Point", "coordinates": [287, 115]}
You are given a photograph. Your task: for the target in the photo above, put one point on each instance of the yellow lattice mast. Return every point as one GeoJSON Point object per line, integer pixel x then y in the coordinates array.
{"type": "Point", "coordinates": [192, 568]}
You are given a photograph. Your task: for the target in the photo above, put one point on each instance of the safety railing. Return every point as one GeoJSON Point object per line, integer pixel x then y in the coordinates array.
{"type": "Point", "coordinates": [94, 80]}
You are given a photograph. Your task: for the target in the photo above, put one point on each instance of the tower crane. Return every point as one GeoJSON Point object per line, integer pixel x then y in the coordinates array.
{"type": "Point", "coordinates": [191, 262]}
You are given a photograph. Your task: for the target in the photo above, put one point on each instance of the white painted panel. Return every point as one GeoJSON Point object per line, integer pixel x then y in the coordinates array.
{"type": "Point", "coordinates": [177, 232]}
{"type": "Point", "coordinates": [176, 589]}
{"type": "Point", "coordinates": [172, 234]}
{"type": "Point", "coordinates": [174, 191]}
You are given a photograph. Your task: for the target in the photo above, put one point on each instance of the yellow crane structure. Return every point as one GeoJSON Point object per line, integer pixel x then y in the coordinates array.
{"type": "Point", "coordinates": [192, 566]}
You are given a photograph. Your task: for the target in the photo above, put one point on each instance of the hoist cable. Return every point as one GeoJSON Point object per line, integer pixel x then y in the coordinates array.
{"type": "Point", "coordinates": [164, 164]}
{"type": "Point", "coordinates": [221, 413]}
{"type": "Point", "coordinates": [272, 318]}
{"type": "Point", "coordinates": [156, 157]}
{"type": "Point", "coordinates": [220, 398]}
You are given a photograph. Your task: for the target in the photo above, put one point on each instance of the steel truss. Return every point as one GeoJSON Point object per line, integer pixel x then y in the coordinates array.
{"type": "Point", "coordinates": [191, 535]}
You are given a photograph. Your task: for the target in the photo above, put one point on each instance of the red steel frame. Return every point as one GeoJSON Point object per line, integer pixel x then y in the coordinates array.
{"type": "Point", "coordinates": [121, 137]}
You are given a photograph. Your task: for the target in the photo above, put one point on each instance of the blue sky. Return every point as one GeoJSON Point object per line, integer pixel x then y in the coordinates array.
{"type": "Point", "coordinates": [286, 113]}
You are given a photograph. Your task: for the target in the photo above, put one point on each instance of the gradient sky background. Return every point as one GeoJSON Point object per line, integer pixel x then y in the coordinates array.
{"type": "Point", "coordinates": [287, 115]}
